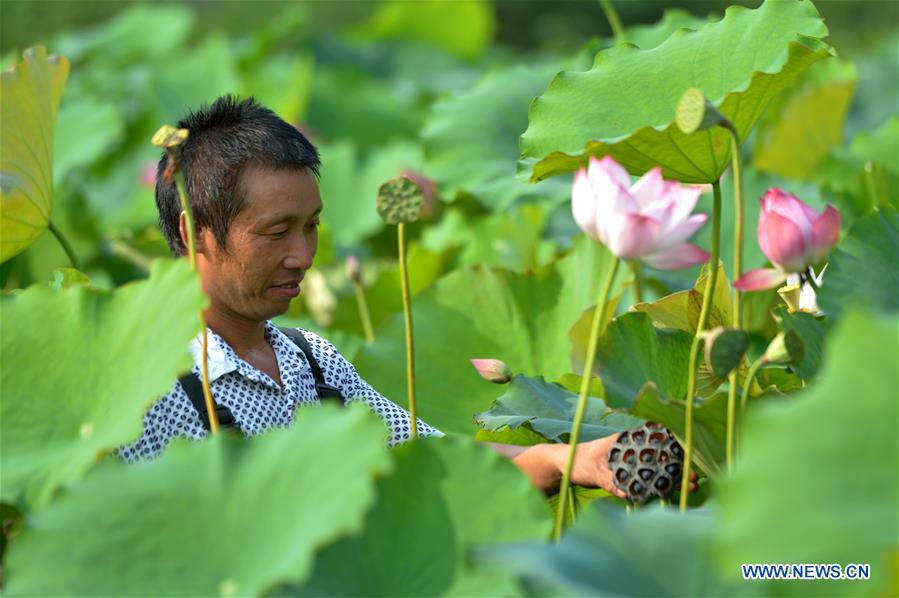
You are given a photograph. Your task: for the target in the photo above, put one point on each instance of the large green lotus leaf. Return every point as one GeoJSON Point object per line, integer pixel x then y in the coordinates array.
{"type": "Point", "coordinates": [709, 423]}
{"type": "Point", "coordinates": [836, 445]}
{"type": "Point", "coordinates": [462, 28]}
{"type": "Point", "coordinates": [446, 497]}
{"type": "Point", "coordinates": [85, 132]}
{"type": "Point", "coordinates": [864, 271]}
{"type": "Point", "coordinates": [471, 138]}
{"type": "Point", "coordinates": [633, 352]}
{"type": "Point", "coordinates": [114, 353]}
{"type": "Point", "coordinates": [30, 93]}
{"type": "Point", "coordinates": [650, 36]}
{"type": "Point", "coordinates": [625, 104]}
{"type": "Point", "coordinates": [479, 312]}
{"type": "Point", "coordinates": [548, 409]}
{"type": "Point", "coordinates": [228, 516]}
{"type": "Point", "coordinates": [349, 187]}
{"type": "Point", "coordinates": [800, 128]}
{"type": "Point", "coordinates": [607, 552]}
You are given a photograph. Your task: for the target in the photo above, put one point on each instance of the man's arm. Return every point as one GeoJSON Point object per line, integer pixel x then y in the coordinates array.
{"type": "Point", "coordinates": [544, 464]}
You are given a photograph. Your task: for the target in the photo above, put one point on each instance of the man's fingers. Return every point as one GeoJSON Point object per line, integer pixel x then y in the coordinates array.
{"type": "Point", "coordinates": [693, 476]}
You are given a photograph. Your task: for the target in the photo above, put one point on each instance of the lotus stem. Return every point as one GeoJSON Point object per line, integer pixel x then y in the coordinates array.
{"type": "Point", "coordinates": [66, 246]}
{"type": "Point", "coordinates": [363, 312]}
{"type": "Point", "coordinates": [638, 280]}
{"type": "Point", "coordinates": [407, 316]}
{"type": "Point", "coordinates": [707, 300]}
{"type": "Point", "coordinates": [614, 22]}
{"type": "Point", "coordinates": [599, 314]}
{"type": "Point", "coordinates": [737, 307]}
{"type": "Point", "coordinates": [747, 384]}
{"type": "Point", "coordinates": [192, 256]}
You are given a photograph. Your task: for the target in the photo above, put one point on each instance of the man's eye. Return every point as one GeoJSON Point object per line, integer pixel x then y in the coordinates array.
{"type": "Point", "coordinates": [278, 234]}
{"type": "Point", "coordinates": [312, 226]}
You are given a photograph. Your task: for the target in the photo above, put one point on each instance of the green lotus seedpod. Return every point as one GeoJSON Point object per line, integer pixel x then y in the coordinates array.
{"type": "Point", "coordinates": [647, 461]}
{"type": "Point", "coordinates": [696, 113]}
{"type": "Point", "coordinates": [785, 348]}
{"type": "Point", "coordinates": [724, 349]}
{"type": "Point", "coordinates": [169, 137]}
{"type": "Point", "coordinates": [400, 200]}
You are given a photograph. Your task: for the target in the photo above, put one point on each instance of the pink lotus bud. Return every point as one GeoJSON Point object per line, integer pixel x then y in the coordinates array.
{"type": "Point", "coordinates": [793, 236]}
{"type": "Point", "coordinates": [148, 175]}
{"type": "Point", "coordinates": [493, 370]}
{"type": "Point", "coordinates": [428, 191]}
{"type": "Point", "coordinates": [353, 270]}
{"type": "Point", "coordinates": [650, 220]}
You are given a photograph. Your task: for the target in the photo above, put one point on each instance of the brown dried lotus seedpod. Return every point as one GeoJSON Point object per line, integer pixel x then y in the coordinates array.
{"type": "Point", "coordinates": [647, 461]}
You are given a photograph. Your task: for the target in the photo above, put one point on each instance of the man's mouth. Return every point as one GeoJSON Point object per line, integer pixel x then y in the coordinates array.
{"type": "Point", "coordinates": [290, 288]}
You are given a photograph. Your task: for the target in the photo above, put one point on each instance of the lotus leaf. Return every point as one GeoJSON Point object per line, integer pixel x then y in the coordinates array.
{"type": "Point", "coordinates": [30, 93]}
{"type": "Point", "coordinates": [113, 354]}
{"type": "Point", "coordinates": [625, 104]}
{"type": "Point", "coordinates": [836, 442]}
{"type": "Point", "coordinates": [228, 516]}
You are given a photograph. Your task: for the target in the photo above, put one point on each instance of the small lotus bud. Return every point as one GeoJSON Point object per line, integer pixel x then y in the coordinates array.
{"type": "Point", "coordinates": [493, 370]}
{"type": "Point", "coordinates": [148, 175]}
{"type": "Point", "coordinates": [785, 348]}
{"type": "Point", "coordinates": [428, 191]}
{"type": "Point", "coordinates": [353, 270]}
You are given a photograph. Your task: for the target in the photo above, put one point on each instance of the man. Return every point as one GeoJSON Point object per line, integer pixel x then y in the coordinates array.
{"type": "Point", "coordinates": [252, 183]}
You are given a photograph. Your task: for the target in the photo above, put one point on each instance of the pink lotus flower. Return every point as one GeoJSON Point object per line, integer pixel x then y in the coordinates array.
{"type": "Point", "coordinates": [493, 370]}
{"type": "Point", "coordinates": [793, 236]}
{"type": "Point", "coordinates": [650, 220]}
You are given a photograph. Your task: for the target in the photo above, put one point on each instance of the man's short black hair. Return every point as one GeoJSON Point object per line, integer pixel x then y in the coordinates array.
{"type": "Point", "coordinates": [224, 138]}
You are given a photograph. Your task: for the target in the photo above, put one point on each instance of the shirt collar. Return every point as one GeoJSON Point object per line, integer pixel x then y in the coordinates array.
{"type": "Point", "coordinates": [221, 358]}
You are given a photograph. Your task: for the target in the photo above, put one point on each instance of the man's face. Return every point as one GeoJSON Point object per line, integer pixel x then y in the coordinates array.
{"type": "Point", "coordinates": [271, 244]}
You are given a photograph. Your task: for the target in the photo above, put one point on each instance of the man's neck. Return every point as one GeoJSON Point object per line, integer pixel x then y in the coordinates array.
{"type": "Point", "coordinates": [243, 335]}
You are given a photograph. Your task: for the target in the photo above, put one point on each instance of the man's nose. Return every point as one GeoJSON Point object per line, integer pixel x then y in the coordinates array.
{"type": "Point", "coordinates": [300, 253]}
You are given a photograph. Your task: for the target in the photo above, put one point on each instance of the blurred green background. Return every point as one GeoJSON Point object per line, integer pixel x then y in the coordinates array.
{"type": "Point", "coordinates": [440, 89]}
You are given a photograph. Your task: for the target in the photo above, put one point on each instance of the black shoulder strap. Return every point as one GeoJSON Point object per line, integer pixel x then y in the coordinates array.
{"type": "Point", "coordinates": [324, 391]}
{"type": "Point", "coordinates": [194, 387]}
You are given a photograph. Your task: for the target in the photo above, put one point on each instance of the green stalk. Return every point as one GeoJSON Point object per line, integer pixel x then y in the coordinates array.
{"type": "Point", "coordinates": [66, 246]}
{"type": "Point", "coordinates": [407, 315]}
{"type": "Point", "coordinates": [638, 280]}
{"type": "Point", "coordinates": [599, 314]}
{"type": "Point", "coordinates": [612, 15]}
{"type": "Point", "coordinates": [707, 300]}
{"type": "Point", "coordinates": [192, 256]}
{"type": "Point", "coordinates": [363, 312]}
{"type": "Point", "coordinates": [747, 384]}
{"type": "Point", "coordinates": [737, 295]}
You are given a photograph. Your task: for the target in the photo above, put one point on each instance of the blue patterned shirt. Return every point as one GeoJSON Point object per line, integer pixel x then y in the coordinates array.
{"type": "Point", "coordinates": [257, 402]}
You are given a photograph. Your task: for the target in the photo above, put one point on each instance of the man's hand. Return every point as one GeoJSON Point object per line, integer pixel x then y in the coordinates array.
{"type": "Point", "coordinates": [544, 464]}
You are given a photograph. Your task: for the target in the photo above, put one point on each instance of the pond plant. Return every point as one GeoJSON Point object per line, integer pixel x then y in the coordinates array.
{"type": "Point", "coordinates": [529, 329]}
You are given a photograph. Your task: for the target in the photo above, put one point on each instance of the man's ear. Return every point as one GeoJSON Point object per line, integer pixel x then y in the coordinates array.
{"type": "Point", "coordinates": [199, 237]}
